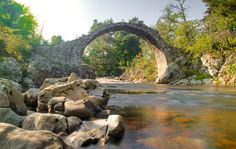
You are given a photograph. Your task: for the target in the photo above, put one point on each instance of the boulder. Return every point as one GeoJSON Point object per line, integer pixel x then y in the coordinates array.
{"type": "Point", "coordinates": [99, 101]}
{"type": "Point", "coordinates": [8, 116]}
{"type": "Point", "coordinates": [31, 97]}
{"type": "Point", "coordinates": [71, 90]}
{"type": "Point", "coordinates": [4, 101]}
{"type": "Point", "coordinates": [89, 132]}
{"type": "Point", "coordinates": [16, 102]}
{"type": "Point", "coordinates": [98, 96]}
{"type": "Point", "coordinates": [83, 109]}
{"type": "Point", "coordinates": [73, 77]}
{"type": "Point", "coordinates": [74, 123]}
{"type": "Point", "coordinates": [40, 121]}
{"type": "Point", "coordinates": [116, 126]}
{"type": "Point", "coordinates": [56, 105]}
{"type": "Point", "coordinates": [112, 127]}
{"type": "Point", "coordinates": [103, 114]}
{"type": "Point", "coordinates": [10, 69]}
{"type": "Point", "coordinates": [79, 139]}
{"type": "Point", "coordinates": [12, 137]}
{"type": "Point", "coordinates": [53, 81]}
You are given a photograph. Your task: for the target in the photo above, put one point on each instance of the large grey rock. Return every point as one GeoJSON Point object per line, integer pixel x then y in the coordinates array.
{"type": "Point", "coordinates": [8, 116]}
{"type": "Point", "coordinates": [41, 121]}
{"type": "Point", "coordinates": [71, 90]}
{"type": "Point", "coordinates": [79, 139]}
{"type": "Point", "coordinates": [31, 97]}
{"type": "Point", "coordinates": [12, 137]}
{"type": "Point", "coordinates": [74, 123]}
{"type": "Point", "coordinates": [53, 81]}
{"type": "Point", "coordinates": [99, 101]}
{"type": "Point", "coordinates": [57, 105]}
{"type": "Point", "coordinates": [73, 77]}
{"type": "Point", "coordinates": [10, 69]}
{"type": "Point", "coordinates": [116, 126]}
{"type": "Point", "coordinates": [16, 102]}
{"type": "Point", "coordinates": [4, 101]}
{"type": "Point", "coordinates": [83, 109]}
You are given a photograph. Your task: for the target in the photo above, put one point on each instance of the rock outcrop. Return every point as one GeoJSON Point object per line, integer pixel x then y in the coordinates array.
{"type": "Point", "coordinates": [213, 63]}
{"type": "Point", "coordinates": [227, 73]}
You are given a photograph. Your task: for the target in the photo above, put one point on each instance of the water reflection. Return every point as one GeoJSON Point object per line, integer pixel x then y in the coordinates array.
{"type": "Point", "coordinates": [178, 119]}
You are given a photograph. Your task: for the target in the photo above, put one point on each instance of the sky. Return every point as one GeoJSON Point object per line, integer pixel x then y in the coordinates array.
{"type": "Point", "coordinates": [72, 18]}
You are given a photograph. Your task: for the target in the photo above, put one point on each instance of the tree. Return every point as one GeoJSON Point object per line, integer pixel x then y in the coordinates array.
{"type": "Point", "coordinates": [220, 24]}
{"type": "Point", "coordinates": [18, 17]}
{"type": "Point", "coordinates": [168, 23]}
{"type": "Point", "coordinates": [17, 30]}
{"type": "Point", "coordinates": [13, 45]}
{"type": "Point", "coordinates": [56, 39]}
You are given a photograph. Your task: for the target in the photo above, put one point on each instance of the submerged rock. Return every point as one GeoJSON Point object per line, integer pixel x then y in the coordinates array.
{"type": "Point", "coordinates": [12, 137]}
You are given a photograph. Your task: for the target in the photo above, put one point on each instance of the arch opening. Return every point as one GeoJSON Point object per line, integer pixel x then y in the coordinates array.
{"type": "Point", "coordinates": [146, 33]}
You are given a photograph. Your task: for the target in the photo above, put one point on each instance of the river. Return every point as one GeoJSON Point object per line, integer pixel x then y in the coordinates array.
{"type": "Point", "coordinates": [174, 117]}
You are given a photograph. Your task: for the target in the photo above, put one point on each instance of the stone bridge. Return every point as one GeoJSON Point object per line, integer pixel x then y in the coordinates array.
{"type": "Point", "coordinates": [169, 59]}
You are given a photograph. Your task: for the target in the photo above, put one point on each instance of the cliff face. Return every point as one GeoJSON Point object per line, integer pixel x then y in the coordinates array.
{"type": "Point", "coordinates": [223, 70]}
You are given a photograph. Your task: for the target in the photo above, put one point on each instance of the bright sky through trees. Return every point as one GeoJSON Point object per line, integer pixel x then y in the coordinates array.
{"type": "Point", "coordinates": [72, 18]}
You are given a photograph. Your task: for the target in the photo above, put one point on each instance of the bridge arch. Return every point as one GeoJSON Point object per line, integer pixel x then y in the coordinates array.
{"type": "Point", "coordinates": [167, 57]}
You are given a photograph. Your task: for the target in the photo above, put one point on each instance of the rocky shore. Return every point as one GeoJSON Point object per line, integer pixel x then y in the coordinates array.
{"type": "Point", "coordinates": [64, 112]}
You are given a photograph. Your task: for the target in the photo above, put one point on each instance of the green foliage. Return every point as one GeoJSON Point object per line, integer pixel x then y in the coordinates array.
{"type": "Point", "coordinates": [215, 33]}
{"type": "Point", "coordinates": [231, 69]}
{"type": "Point", "coordinates": [17, 30]}
{"type": "Point", "coordinates": [13, 45]}
{"type": "Point", "coordinates": [17, 17]}
{"type": "Point", "coordinates": [167, 24]}
{"type": "Point", "coordinates": [185, 35]}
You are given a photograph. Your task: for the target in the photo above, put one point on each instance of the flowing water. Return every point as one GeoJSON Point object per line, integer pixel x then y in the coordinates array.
{"type": "Point", "coordinates": [175, 117]}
